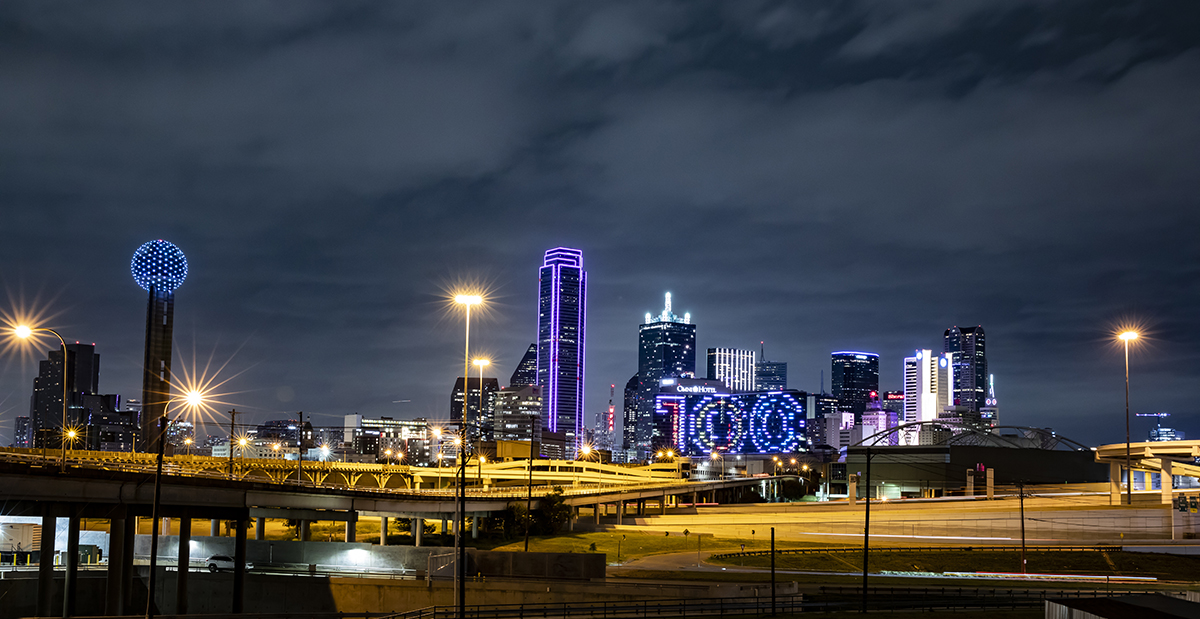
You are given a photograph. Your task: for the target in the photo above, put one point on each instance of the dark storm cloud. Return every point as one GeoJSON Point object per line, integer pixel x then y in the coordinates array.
{"type": "Point", "coordinates": [817, 175]}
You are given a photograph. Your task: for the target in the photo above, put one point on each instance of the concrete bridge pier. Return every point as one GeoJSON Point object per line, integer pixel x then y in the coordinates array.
{"type": "Point", "coordinates": [445, 530]}
{"type": "Point", "coordinates": [71, 561]}
{"type": "Point", "coordinates": [185, 561]}
{"type": "Point", "coordinates": [260, 529]}
{"type": "Point", "coordinates": [114, 576]}
{"type": "Point", "coordinates": [215, 528]}
{"type": "Point", "coordinates": [596, 514]}
{"type": "Point", "coordinates": [46, 563]}
{"type": "Point", "coordinates": [418, 530]}
{"type": "Point", "coordinates": [383, 530]}
{"type": "Point", "coordinates": [1114, 483]}
{"type": "Point", "coordinates": [351, 526]}
{"type": "Point", "coordinates": [131, 528]}
{"type": "Point", "coordinates": [475, 518]}
{"type": "Point", "coordinates": [304, 530]}
{"type": "Point", "coordinates": [662, 503]}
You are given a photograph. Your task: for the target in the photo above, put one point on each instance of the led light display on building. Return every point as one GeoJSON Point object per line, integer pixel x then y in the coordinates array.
{"type": "Point", "coordinates": [706, 418]}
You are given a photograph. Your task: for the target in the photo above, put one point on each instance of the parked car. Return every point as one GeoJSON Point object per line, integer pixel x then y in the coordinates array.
{"type": "Point", "coordinates": [217, 563]}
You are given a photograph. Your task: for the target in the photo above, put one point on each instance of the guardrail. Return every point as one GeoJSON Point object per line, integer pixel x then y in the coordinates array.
{"type": "Point", "coordinates": [918, 549]}
{"type": "Point", "coordinates": [695, 607]}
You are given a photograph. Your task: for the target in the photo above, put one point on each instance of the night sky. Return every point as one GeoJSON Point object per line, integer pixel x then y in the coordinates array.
{"type": "Point", "coordinates": [816, 175]}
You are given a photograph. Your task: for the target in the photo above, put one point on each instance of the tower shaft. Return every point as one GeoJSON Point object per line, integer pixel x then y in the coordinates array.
{"type": "Point", "coordinates": [156, 368]}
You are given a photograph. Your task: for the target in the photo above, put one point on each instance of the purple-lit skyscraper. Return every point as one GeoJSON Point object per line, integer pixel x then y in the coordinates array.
{"type": "Point", "coordinates": [562, 310]}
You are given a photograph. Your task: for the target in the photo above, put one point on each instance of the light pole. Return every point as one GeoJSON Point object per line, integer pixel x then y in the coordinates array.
{"type": "Point", "coordinates": [191, 400]}
{"type": "Point", "coordinates": [24, 333]}
{"type": "Point", "coordinates": [460, 552]}
{"type": "Point", "coordinates": [1126, 338]}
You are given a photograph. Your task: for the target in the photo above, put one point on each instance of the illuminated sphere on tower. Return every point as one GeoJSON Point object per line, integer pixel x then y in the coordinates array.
{"type": "Point", "coordinates": [159, 264]}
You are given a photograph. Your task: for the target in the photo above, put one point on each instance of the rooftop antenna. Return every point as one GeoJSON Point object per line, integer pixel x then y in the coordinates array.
{"type": "Point", "coordinates": [822, 382]}
{"type": "Point", "coordinates": [762, 350]}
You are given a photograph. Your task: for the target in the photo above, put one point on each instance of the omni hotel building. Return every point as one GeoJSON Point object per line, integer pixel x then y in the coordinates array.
{"type": "Point", "coordinates": [706, 416]}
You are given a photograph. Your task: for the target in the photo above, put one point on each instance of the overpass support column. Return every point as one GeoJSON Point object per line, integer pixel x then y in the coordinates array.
{"type": "Point", "coordinates": [215, 528]}
{"type": "Point", "coordinates": [662, 504]}
{"type": "Point", "coordinates": [114, 579]}
{"type": "Point", "coordinates": [239, 564]}
{"type": "Point", "coordinates": [596, 514]}
{"type": "Point", "coordinates": [260, 529]}
{"type": "Point", "coordinates": [991, 483]}
{"type": "Point", "coordinates": [351, 527]}
{"type": "Point", "coordinates": [475, 525]}
{"type": "Point", "coordinates": [127, 574]}
{"type": "Point", "coordinates": [71, 561]}
{"type": "Point", "coordinates": [1167, 483]}
{"type": "Point", "coordinates": [46, 563]}
{"type": "Point", "coordinates": [304, 530]}
{"type": "Point", "coordinates": [445, 530]}
{"type": "Point", "coordinates": [574, 517]}
{"type": "Point", "coordinates": [418, 530]}
{"type": "Point", "coordinates": [1114, 483]}
{"type": "Point", "coordinates": [383, 530]}
{"type": "Point", "coordinates": [620, 510]}
{"type": "Point", "coordinates": [695, 498]}
{"type": "Point", "coordinates": [185, 561]}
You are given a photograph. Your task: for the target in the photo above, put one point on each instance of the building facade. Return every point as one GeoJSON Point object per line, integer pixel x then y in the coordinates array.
{"type": "Point", "coordinates": [562, 333]}
{"type": "Point", "coordinates": [707, 417]}
{"type": "Point", "coordinates": [629, 418]}
{"type": "Point", "coordinates": [525, 375]}
{"type": "Point", "coordinates": [928, 391]}
{"type": "Point", "coordinates": [770, 376]}
{"type": "Point", "coordinates": [968, 347]}
{"type": "Point", "coordinates": [734, 366]}
{"type": "Point", "coordinates": [666, 349]}
{"type": "Point", "coordinates": [854, 377]}
{"type": "Point", "coordinates": [517, 414]}
{"type": "Point", "coordinates": [479, 403]}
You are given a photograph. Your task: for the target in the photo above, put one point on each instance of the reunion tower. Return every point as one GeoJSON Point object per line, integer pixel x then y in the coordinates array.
{"type": "Point", "coordinates": [159, 268]}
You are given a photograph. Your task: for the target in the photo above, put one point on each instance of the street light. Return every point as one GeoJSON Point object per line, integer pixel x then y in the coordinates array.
{"type": "Point", "coordinates": [460, 551]}
{"type": "Point", "coordinates": [1126, 338]}
{"type": "Point", "coordinates": [718, 460]}
{"type": "Point", "coordinates": [25, 332]}
{"type": "Point", "coordinates": [191, 400]}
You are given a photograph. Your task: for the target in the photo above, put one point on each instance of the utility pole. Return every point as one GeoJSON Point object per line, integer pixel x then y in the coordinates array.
{"type": "Point", "coordinates": [866, 531]}
{"type": "Point", "coordinates": [1021, 492]}
{"type": "Point", "coordinates": [300, 459]}
{"type": "Point", "coordinates": [772, 571]}
{"type": "Point", "coordinates": [232, 424]}
{"type": "Point", "coordinates": [529, 496]}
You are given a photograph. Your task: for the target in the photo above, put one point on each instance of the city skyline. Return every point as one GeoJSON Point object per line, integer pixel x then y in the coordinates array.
{"type": "Point", "coordinates": [821, 180]}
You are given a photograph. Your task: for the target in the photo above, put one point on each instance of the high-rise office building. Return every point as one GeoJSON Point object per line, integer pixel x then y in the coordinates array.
{"type": "Point", "coordinates": [968, 346]}
{"type": "Point", "coordinates": [22, 437]}
{"type": "Point", "coordinates": [666, 349]}
{"type": "Point", "coordinates": [990, 413]}
{"type": "Point", "coordinates": [732, 365]}
{"type": "Point", "coordinates": [770, 376]}
{"type": "Point", "coordinates": [45, 406]}
{"type": "Point", "coordinates": [562, 317]}
{"type": "Point", "coordinates": [159, 268]}
{"type": "Point", "coordinates": [818, 408]}
{"type": "Point", "coordinates": [928, 388]}
{"type": "Point", "coordinates": [893, 401]}
{"type": "Point", "coordinates": [855, 375]}
{"type": "Point", "coordinates": [629, 415]}
{"type": "Point", "coordinates": [475, 414]}
{"type": "Point", "coordinates": [526, 373]}
{"type": "Point", "coordinates": [518, 413]}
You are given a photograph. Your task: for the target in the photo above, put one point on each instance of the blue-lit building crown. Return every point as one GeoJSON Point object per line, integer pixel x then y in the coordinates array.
{"type": "Point", "coordinates": [160, 265]}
